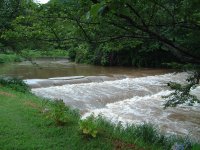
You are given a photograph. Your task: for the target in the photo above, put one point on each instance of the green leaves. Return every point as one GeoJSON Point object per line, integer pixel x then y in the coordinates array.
{"type": "Point", "coordinates": [181, 93]}
{"type": "Point", "coordinates": [99, 9]}
{"type": "Point", "coordinates": [14, 83]}
{"type": "Point", "coordinates": [106, 26]}
{"type": "Point", "coordinates": [59, 113]}
{"type": "Point", "coordinates": [89, 126]}
{"type": "Point", "coordinates": [94, 11]}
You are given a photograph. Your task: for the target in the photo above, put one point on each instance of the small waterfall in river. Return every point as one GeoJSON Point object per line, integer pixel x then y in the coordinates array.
{"type": "Point", "coordinates": [130, 100]}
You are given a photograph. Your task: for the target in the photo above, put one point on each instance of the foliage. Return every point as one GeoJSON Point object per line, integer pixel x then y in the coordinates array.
{"type": "Point", "coordinates": [145, 132]}
{"type": "Point", "coordinates": [122, 32]}
{"type": "Point", "coordinates": [6, 58]}
{"type": "Point", "coordinates": [181, 93]}
{"type": "Point", "coordinates": [166, 30]}
{"type": "Point", "coordinates": [89, 126]}
{"type": "Point", "coordinates": [43, 53]}
{"type": "Point", "coordinates": [9, 11]}
{"type": "Point", "coordinates": [15, 84]}
{"type": "Point", "coordinates": [133, 134]}
{"type": "Point", "coordinates": [60, 113]}
{"type": "Point", "coordinates": [82, 54]}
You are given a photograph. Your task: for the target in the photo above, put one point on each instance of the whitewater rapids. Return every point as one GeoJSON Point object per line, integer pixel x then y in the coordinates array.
{"type": "Point", "coordinates": [131, 100]}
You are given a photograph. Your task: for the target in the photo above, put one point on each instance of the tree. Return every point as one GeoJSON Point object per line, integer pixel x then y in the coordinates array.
{"type": "Point", "coordinates": [173, 24]}
{"type": "Point", "coordinates": [9, 10]}
{"type": "Point", "coordinates": [112, 32]}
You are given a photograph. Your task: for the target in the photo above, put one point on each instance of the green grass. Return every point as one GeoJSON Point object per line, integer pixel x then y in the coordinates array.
{"type": "Point", "coordinates": [23, 125]}
{"type": "Point", "coordinates": [7, 58]}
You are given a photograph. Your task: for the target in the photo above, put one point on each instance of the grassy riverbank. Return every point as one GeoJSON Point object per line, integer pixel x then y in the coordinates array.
{"type": "Point", "coordinates": [30, 54]}
{"type": "Point", "coordinates": [24, 125]}
{"type": "Point", "coordinates": [7, 58]}
{"type": "Point", "coordinates": [44, 53]}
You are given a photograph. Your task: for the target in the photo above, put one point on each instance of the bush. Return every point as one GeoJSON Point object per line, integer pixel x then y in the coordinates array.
{"type": "Point", "coordinates": [61, 114]}
{"type": "Point", "coordinates": [26, 53]}
{"type": "Point", "coordinates": [5, 58]}
{"type": "Point", "coordinates": [54, 53]}
{"type": "Point", "coordinates": [72, 54]}
{"type": "Point", "coordinates": [81, 54]}
{"type": "Point", "coordinates": [89, 126]}
{"type": "Point", "coordinates": [15, 84]}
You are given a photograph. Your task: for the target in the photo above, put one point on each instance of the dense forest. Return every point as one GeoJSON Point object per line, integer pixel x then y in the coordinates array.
{"type": "Point", "coordinates": [144, 33]}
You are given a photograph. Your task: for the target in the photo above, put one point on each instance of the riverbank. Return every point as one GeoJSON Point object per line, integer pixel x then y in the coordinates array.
{"type": "Point", "coordinates": [43, 53]}
{"type": "Point", "coordinates": [24, 126]}
{"type": "Point", "coordinates": [10, 56]}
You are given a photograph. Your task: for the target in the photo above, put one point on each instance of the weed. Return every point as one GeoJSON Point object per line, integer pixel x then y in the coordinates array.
{"type": "Point", "coordinates": [89, 126]}
{"type": "Point", "coordinates": [59, 113]}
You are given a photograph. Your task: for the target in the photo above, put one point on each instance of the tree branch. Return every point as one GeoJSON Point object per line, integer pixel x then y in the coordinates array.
{"type": "Point", "coordinates": [175, 49]}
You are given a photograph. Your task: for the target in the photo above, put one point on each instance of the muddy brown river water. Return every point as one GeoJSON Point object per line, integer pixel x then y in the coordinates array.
{"type": "Point", "coordinates": [129, 96]}
{"type": "Point", "coordinates": [48, 68]}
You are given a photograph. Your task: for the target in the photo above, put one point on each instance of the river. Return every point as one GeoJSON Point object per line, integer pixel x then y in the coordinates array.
{"type": "Point", "coordinates": [47, 68]}
{"type": "Point", "coordinates": [129, 96]}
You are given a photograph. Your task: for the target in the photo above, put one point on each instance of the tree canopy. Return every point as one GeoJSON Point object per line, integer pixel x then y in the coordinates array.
{"type": "Point", "coordinates": [106, 32]}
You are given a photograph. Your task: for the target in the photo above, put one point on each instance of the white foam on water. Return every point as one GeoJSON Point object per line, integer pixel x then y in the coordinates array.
{"type": "Point", "coordinates": [131, 100]}
{"type": "Point", "coordinates": [148, 109]}
{"type": "Point", "coordinates": [99, 94]}
{"type": "Point", "coordinates": [196, 91]}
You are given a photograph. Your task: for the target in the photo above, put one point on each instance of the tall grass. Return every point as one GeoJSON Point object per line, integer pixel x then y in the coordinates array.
{"type": "Point", "coordinates": [144, 135]}
{"type": "Point", "coordinates": [6, 58]}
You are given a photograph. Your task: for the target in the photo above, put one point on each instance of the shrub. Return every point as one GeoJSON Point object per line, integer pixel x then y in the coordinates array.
{"type": "Point", "coordinates": [83, 54]}
{"type": "Point", "coordinates": [5, 58]}
{"type": "Point", "coordinates": [61, 114]}
{"type": "Point", "coordinates": [89, 126]}
{"type": "Point", "coordinates": [15, 84]}
{"type": "Point", "coordinates": [72, 54]}
{"type": "Point", "coordinates": [27, 53]}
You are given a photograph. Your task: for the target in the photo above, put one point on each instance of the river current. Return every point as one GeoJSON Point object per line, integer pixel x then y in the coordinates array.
{"type": "Point", "coordinates": [131, 96]}
{"type": "Point", "coordinates": [131, 100]}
